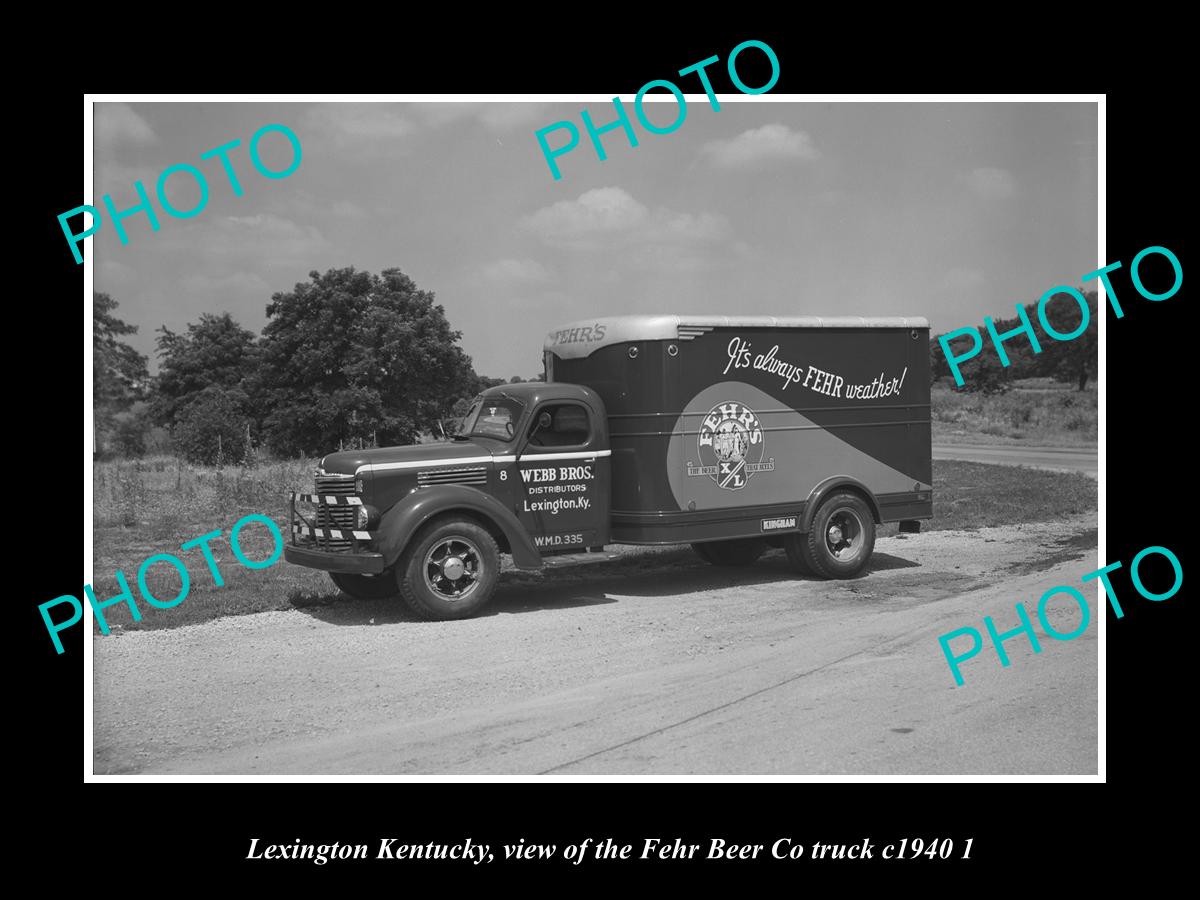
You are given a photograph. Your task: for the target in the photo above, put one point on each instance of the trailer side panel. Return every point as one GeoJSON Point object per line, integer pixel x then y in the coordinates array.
{"type": "Point", "coordinates": [733, 431]}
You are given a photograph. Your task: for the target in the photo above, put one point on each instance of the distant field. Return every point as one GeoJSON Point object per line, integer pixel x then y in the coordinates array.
{"type": "Point", "coordinates": [1038, 411]}
{"type": "Point", "coordinates": [154, 505]}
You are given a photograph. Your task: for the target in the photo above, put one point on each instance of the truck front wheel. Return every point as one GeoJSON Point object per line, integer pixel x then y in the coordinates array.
{"type": "Point", "coordinates": [742, 552]}
{"type": "Point", "coordinates": [841, 539]}
{"type": "Point", "coordinates": [449, 570]}
{"type": "Point", "coordinates": [365, 587]}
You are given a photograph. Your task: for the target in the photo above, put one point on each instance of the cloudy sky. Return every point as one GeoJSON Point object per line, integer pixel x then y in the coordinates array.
{"type": "Point", "coordinates": [950, 211]}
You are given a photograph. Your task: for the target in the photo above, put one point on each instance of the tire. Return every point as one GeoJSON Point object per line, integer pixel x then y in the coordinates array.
{"type": "Point", "coordinates": [742, 552]}
{"type": "Point", "coordinates": [841, 540]}
{"type": "Point", "coordinates": [426, 571]}
{"type": "Point", "coordinates": [791, 546]}
{"type": "Point", "coordinates": [366, 587]}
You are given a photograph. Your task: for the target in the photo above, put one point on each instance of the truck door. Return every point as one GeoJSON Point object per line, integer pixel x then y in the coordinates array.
{"type": "Point", "coordinates": [563, 491]}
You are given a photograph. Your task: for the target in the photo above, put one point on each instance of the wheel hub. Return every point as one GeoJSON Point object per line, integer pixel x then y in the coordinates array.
{"type": "Point", "coordinates": [843, 534]}
{"type": "Point", "coordinates": [453, 568]}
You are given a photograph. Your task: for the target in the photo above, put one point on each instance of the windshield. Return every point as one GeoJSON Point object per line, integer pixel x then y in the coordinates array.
{"type": "Point", "coordinates": [494, 417]}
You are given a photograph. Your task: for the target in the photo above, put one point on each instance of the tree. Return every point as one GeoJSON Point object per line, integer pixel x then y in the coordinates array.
{"type": "Point", "coordinates": [213, 427]}
{"type": "Point", "coordinates": [1072, 361]}
{"type": "Point", "coordinates": [129, 432]}
{"type": "Point", "coordinates": [349, 353]}
{"type": "Point", "coordinates": [989, 377]}
{"type": "Point", "coordinates": [119, 373]}
{"type": "Point", "coordinates": [214, 352]}
{"type": "Point", "coordinates": [482, 383]}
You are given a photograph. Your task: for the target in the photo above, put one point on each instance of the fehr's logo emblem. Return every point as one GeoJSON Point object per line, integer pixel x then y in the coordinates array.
{"type": "Point", "coordinates": [730, 446]}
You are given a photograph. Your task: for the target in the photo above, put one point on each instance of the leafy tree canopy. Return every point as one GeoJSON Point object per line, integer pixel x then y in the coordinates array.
{"type": "Point", "coordinates": [1074, 360]}
{"type": "Point", "coordinates": [213, 427]}
{"type": "Point", "coordinates": [351, 354]}
{"type": "Point", "coordinates": [119, 373]}
{"type": "Point", "coordinates": [214, 352]}
{"type": "Point", "coordinates": [119, 377]}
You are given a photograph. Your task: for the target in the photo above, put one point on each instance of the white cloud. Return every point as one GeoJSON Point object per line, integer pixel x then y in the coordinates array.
{"type": "Point", "coordinates": [495, 116]}
{"type": "Point", "coordinates": [373, 129]}
{"type": "Point", "coordinates": [596, 212]}
{"type": "Point", "coordinates": [540, 301]}
{"type": "Point", "coordinates": [255, 241]}
{"type": "Point", "coordinates": [116, 179]}
{"type": "Point", "coordinates": [611, 221]}
{"type": "Point", "coordinates": [770, 143]}
{"type": "Point", "coordinates": [610, 214]}
{"type": "Point", "coordinates": [960, 279]}
{"type": "Point", "coordinates": [253, 232]}
{"type": "Point", "coordinates": [309, 207]}
{"type": "Point", "coordinates": [264, 223]}
{"type": "Point", "coordinates": [990, 183]}
{"type": "Point", "coordinates": [506, 116]}
{"type": "Point", "coordinates": [516, 271]}
{"type": "Point", "coordinates": [117, 123]}
{"type": "Point", "coordinates": [344, 209]}
{"type": "Point", "coordinates": [366, 127]}
{"type": "Point", "coordinates": [110, 272]}
{"type": "Point", "coordinates": [223, 285]}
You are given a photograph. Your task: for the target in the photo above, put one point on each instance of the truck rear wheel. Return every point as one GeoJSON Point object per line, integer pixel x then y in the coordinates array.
{"type": "Point", "coordinates": [841, 539]}
{"type": "Point", "coordinates": [742, 552]}
{"type": "Point", "coordinates": [365, 587]}
{"type": "Point", "coordinates": [449, 570]}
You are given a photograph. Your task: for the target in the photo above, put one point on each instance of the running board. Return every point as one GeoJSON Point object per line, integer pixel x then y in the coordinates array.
{"type": "Point", "coordinates": [570, 559]}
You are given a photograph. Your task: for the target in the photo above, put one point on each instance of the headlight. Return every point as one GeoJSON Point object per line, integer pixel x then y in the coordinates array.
{"type": "Point", "coordinates": [365, 517]}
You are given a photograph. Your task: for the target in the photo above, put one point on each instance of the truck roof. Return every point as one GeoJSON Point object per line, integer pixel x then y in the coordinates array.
{"type": "Point", "coordinates": [532, 393]}
{"type": "Point", "coordinates": [582, 338]}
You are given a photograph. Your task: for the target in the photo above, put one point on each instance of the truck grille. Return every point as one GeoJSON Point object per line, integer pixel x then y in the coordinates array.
{"type": "Point", "coordinates": [461, 475]}
{"type": "Point", "coordinates": [335, 516]}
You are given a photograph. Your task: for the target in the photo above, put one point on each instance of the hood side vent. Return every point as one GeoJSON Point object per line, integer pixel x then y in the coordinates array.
{"type": "Point", "coordinates": [459, 475]}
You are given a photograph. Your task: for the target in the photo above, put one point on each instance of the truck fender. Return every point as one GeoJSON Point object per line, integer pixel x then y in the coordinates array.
{"type": "Point", "coordinates": [401, 522]}
{"type": "Point", "coordinates": [824, 488]}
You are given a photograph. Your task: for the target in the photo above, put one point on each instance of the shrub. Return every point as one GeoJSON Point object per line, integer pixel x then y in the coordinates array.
{"type": "Point", "coordinates": [129, 437]}
{"type": "Point", "coordinates": [1020, 415]}
{"type": "Point", "coordinates": [214, 429]}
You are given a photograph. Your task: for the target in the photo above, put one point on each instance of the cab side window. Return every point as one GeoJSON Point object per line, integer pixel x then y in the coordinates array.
{"type": "Point", "coordinates": [569, 426]}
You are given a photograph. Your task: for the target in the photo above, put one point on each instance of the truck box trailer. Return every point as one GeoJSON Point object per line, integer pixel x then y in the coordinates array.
{"type": "Point", "coordinates": [732, 434]}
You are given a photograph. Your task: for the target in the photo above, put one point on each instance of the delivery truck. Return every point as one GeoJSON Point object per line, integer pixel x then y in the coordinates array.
{"type": "Point", "coordinates": [731, 434]}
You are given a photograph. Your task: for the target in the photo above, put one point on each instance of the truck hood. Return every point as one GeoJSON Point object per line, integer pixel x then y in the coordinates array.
{"type": "Point", "coordinates": [348, 462]}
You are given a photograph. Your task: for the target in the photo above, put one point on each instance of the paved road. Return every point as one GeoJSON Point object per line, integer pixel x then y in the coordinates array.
{"type": "Point", "coordinates": [655, 663]}
{"type": "Point", "coordinates": [1062, 459]}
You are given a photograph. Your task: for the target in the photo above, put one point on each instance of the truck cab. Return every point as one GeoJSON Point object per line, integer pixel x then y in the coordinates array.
{"type": "Point", "coordinates": [550, 455]}
{"type": "Point", "coordinates": [528, 474]}
{"type": "Point", "coordinates": [732, 434]}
